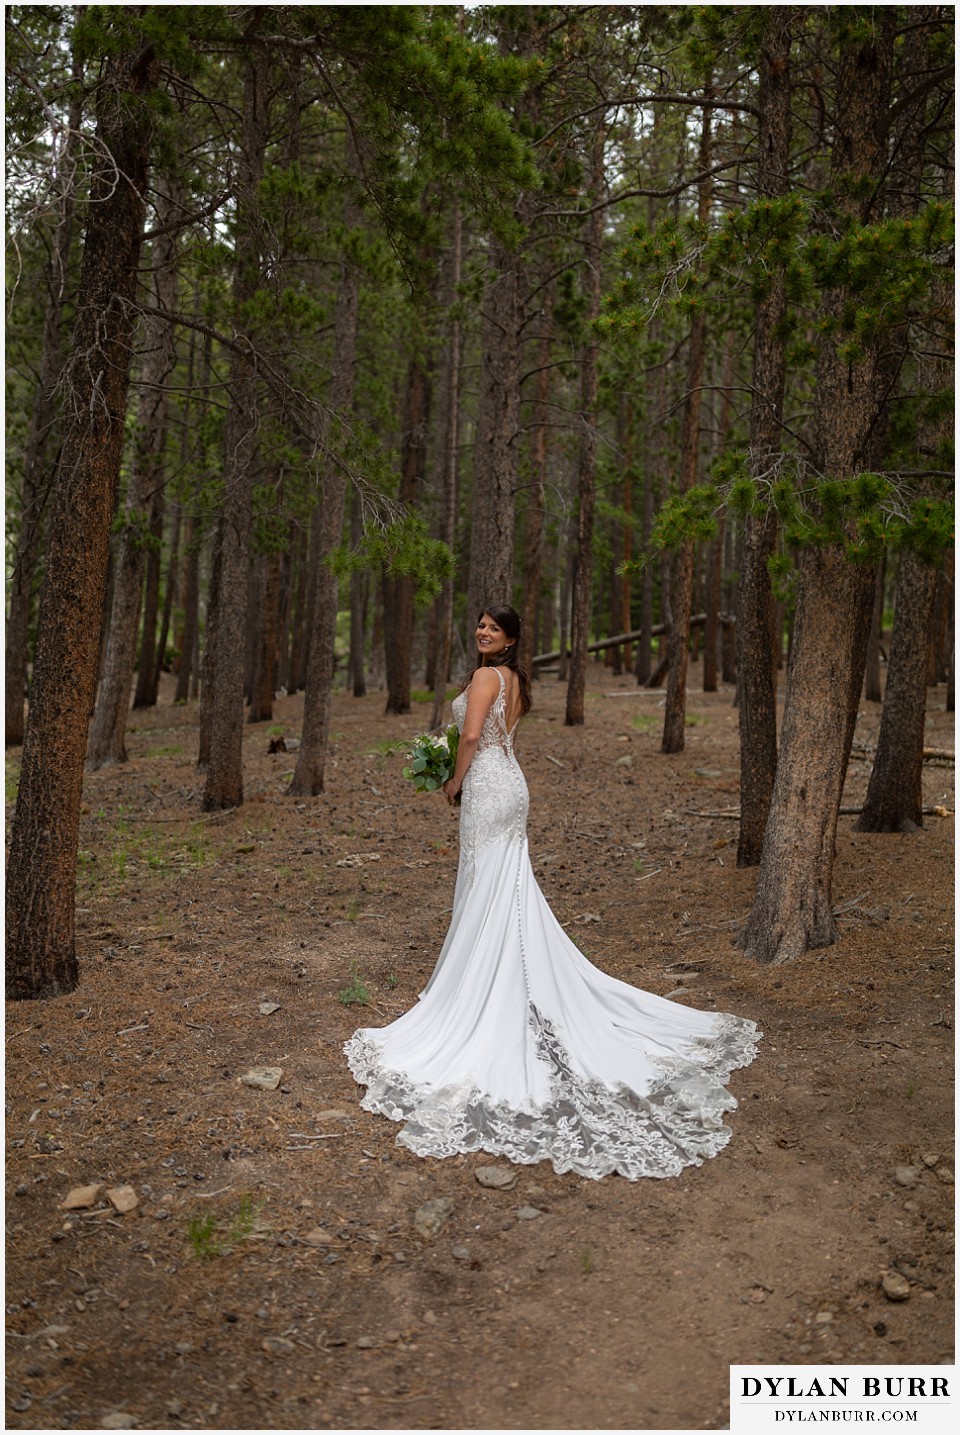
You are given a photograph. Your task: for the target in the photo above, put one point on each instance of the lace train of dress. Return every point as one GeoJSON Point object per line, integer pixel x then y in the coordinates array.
{"type": "Point", "coordinates": [519, 1046]}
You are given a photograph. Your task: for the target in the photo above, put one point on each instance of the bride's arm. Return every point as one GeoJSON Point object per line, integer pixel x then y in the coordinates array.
{"type": "Point", "coordinates": [484, 687]}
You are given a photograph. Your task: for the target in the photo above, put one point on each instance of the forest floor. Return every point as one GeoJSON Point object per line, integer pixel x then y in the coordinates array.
{"type": "Point", "coordinates": [272, 1276]}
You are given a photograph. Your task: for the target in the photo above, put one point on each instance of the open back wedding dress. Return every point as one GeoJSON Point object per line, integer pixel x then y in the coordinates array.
{"type": "Point", "coordinates": [519, 1046]}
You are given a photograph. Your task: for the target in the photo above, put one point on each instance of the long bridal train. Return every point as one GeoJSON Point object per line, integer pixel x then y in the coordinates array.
{"type": "Point", "coordinates": [519, 1046]}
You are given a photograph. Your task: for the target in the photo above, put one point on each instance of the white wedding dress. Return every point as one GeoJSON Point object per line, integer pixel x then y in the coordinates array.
{"type": "Point", "coordinates": [521, 1047]}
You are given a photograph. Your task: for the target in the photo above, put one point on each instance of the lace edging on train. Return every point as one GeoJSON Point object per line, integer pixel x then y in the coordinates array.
{"type": "Point", "coordinates": [585, 1127]}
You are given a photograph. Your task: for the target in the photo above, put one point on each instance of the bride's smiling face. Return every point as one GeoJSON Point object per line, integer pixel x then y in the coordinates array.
{"type": "Point", "coordinates": [491, 639]}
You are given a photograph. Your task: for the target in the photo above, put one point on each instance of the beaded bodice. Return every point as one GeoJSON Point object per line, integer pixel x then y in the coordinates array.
{"type": "Point", "coordinates": [495, 798]}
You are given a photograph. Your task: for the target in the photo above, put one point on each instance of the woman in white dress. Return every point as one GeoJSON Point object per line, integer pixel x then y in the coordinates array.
{"type": "Point", "coordinates": [518, 1045]}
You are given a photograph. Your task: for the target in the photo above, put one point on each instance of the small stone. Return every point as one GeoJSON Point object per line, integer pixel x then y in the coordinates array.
{"type": "Point", "coordinates": [262, 1078]}
{"type": "Point", "coordinates": [429, 1317]}
{"type": "Point", "coordinates": [51, 1332]}
{"type": "Point", "coordinates": [944, 1174]}
{"type": "Point", "coordinates": [277, 1345]}
{"type": "Point", "coordinates": [460, 1253]}
{"type": "Point", "coordinates": [625, 761]}
{"type": "Point", "coordinates": [21, 1403]}
{"type": "Point", "coordinates": [432, 1216]}
{"type": "Point", "coordinates": [122, 1198]}
{"type": "Point", "coordinates": [894, 1286]}
{"type": "Point", "coordinates": [536, 1193]}
{"type": "Point", "coordinates": [365, 1342]}
{"type": "Point", "coordinates": [184, 1347]}
{"type": "Point", "coordinates": [528, 1213]}
{"type": "Point", "coordinates": [334, 1114]}
{"type": "Point", "coordinates": [268, 1008]}
{"type": "Point", "coordinates": [317, 1237]}
{"type": "Point", "coordinates": [497, 1178]}
{"type": "Point", "coordinates": [823, 1317]}
{"type": "Point", "coordinates": [906, 1176]}
{"type": "Point", "coordinates": [81, 1198]}
{"type": "Point", "coordinates": [930, 1159]}
{"type": "Point", "coordinates": [118, 1420]}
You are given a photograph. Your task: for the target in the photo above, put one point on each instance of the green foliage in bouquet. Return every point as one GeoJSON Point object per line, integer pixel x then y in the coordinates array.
{"type": "Point", "coordinates": [433, 758]}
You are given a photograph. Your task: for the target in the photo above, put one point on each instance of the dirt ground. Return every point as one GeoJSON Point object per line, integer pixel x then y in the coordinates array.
{"type": "Point", "coordinates": [271, 1275]}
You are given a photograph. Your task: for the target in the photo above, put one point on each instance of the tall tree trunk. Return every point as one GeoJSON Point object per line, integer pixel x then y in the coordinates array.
{"type": "Point", "coordinates": [308, 775]}
{"type": "Point", "coordinates": [359, 584]}
{"type": "Point", "coordinates": [756, 628]}
{"type": "Point", "coordinates": [268, 635]}
{"type": "Point", "coordinates": [170, 594]}
{"type": "Point", "coordinates": [451, 438]}
{"type": "Point", "coordinates": [873, 692]}
{"type": "Point", "coordinates": [42, 869]}
{"type": "Point", "coordinates": [191, 610]}
{"type": "Point", "coordinates": [643, 666]}
{"type": "Point", "coordinates": [148, 674]}
{"type": "Point", "coordinates": [296, 666]}
{"type": "Point", "coordinates": [792, 910]}
{"type": "Point", "coordinates": [495, 451]}
{"type": "Point", "coordinates": [224, 781]}
{"type": "Point", "coordinates": [713, 586]}
{"type": "Point", "coordinates": [536, 510]}
{"type": "Point", "coordinates": [625, 425]}
{"type": "Point", "coordinates": [728, 645]}
{"type": "Point", "coordinates": [681, 578]}
{"type": "Point", "coordinates": [106, 743]}
{"type": "Point", "coordinates": [587, 478]}
{"type": "Point", "coordinates": [398, 591]}
{"type": "Point", "coordinates": [894, 800]}
{"type": "Point", "coordinates": [36, 452]}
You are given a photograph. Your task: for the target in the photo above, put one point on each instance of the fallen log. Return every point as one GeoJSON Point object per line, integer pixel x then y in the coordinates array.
{"type": "Point", "coordinates": [697, 621]}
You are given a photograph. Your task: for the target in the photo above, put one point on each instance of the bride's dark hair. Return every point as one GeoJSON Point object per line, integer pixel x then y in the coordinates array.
{"type": "Point", "coordinates": [508, 619]}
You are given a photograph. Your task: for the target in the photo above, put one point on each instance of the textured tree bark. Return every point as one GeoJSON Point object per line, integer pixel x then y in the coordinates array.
{"type": "Point", "coordinates": [681, 577]}
{"type": "Point", "coordinates": [268, 637]}
{"type": "Point", "coordinates": [308, 775]}
{"type": "Point", "coordinates": [713, 590]}
{"type": "Point", "coordinates": [224, 781]}
{"type": "Point", "coordinates": [296, 666]}
{"type": "Point", "coordinates": [148, 673]}
{"type": "Point", "coordinates": [872, 691]}
{"type": "Point", "coordinates": [43, 418]}
{"type": "Point", "coordinates": [792, 909]}
{"type": "Point", "coordinates": [106, 743]}
{"type": "Point", "coordinates": [42, 870]}
{"type": "Point", "coordinates": [494, 462]}
{"type": "Point", "coordinates": [536, 510]}
{"type": "Point", "coordinates": [587, 476]}
{"type": "Point", "coordinates": [398, 591]}
{"type": "Point", "coordinates": [652, 482]}
{"type": "Point", "coordinates": [170, 595]}
{"type": "Point", "coordinates": [728, 644]}
{"type": "Point", "coordinates": [894, 800]}
{"type": "Point", "coordinates": [191, 612]}
{"type": "Point", "coordinates": [359, 584]}
{"type": "Point", "coordinates": [450, 474]}
{"type": "Point", "coordinates": [756, 626]}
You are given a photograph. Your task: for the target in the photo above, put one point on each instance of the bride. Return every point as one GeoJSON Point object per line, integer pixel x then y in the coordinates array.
{"type": "Point", "coordinates": [519, 1046]}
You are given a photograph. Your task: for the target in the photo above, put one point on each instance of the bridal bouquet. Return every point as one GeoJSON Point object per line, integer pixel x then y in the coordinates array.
{"type": "Point", "coordinates": [432, 759]}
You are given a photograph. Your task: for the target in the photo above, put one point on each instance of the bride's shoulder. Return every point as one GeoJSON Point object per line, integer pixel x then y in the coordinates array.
{"type": "Point", "coordinates": [485, 680]}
